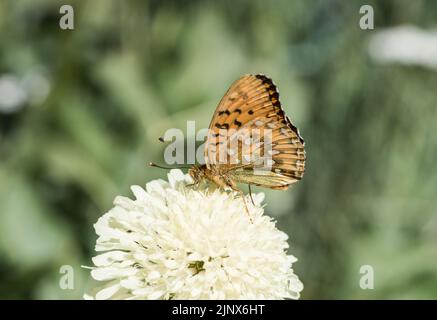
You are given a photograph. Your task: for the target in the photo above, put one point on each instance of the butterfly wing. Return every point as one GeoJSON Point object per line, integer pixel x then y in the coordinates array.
{"type": "Point", "coordinates": [252, 105]}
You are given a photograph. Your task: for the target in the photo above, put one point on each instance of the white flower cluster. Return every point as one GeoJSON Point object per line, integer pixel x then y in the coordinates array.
{"type": "Point", "coordinates": [179, 242]}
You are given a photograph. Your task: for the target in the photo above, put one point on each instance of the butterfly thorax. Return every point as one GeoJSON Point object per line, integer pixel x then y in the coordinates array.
{"type": "Point", "coordinates": [213, 174]}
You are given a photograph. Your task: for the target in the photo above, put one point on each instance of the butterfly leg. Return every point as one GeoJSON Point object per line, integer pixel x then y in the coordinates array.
{"type": "Point", "coordinates": [250, 193]}
{"type": "Point", "coordinates": [195, 184]}
{"type": "Point", "coordinates": [244, 200]}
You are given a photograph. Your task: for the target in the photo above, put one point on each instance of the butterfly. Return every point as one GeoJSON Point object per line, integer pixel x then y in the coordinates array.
{"type": "Point", "coordinates": [251, 140]}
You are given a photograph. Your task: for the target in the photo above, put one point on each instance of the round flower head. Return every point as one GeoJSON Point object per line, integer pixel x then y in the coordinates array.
{"type": "Point", "coordinates": [178, 242]}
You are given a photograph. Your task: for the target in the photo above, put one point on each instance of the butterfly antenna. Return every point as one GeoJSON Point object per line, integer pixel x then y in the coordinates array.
{"type": "Point", "coordinates": [152, 164]}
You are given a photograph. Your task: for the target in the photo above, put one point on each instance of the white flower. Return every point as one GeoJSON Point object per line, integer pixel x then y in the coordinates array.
{"type": "Point", "coordinates": [179, 242]}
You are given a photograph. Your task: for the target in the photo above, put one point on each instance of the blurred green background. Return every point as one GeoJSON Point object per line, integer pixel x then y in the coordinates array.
{"type": "Point", "coordinates": [81, 111]}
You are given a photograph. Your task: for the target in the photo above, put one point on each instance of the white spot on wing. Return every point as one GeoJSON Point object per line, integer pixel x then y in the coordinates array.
{"type": "Point", "coordinates": [284, 131]}
{"type": "Point", "coordinates": [273, 152]}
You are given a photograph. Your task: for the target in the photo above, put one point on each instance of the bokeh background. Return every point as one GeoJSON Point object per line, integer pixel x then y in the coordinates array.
{"type": "Point", "coordinates": [81, 111]}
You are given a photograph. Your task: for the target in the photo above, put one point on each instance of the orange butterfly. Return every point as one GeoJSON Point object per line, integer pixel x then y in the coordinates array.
{"type": "Point", "coordinates": [274, 158]}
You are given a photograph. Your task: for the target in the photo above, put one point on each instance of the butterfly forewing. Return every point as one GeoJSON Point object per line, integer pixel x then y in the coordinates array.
{"type": "Point", "coordinates": [251, 139]}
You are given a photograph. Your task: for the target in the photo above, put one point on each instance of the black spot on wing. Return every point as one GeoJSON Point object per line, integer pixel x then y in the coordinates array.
{"type": "Point", "coordinates": [222, 126]}
{"type": "Point", "coordinates": [215, 135]}
{"type": "Point", "coordinates": [224, 112]}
